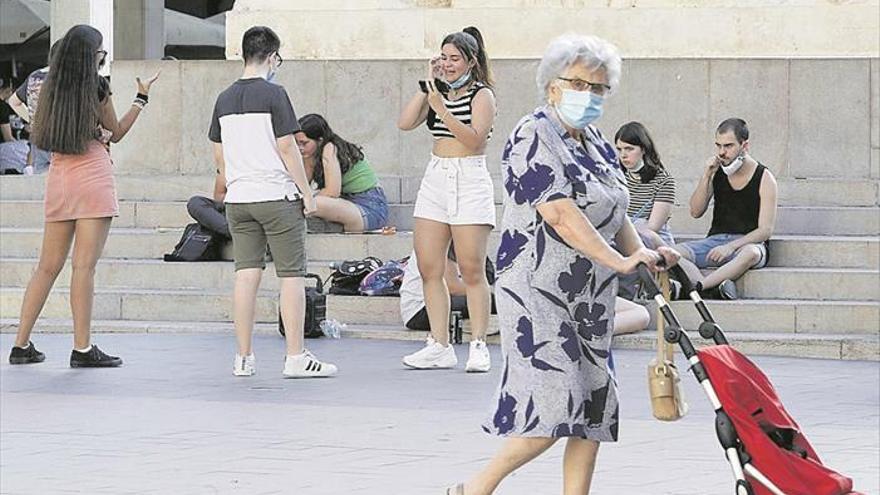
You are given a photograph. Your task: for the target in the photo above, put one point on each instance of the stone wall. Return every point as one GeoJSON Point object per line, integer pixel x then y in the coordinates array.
{"type": "Point", "coordinates": [809, 118]}
{"type": "Point", "coordinates": [411, 29]}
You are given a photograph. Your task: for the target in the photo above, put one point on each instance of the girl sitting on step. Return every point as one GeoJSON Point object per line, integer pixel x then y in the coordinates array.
{"type": "Point", "coordinates": [348, 189]}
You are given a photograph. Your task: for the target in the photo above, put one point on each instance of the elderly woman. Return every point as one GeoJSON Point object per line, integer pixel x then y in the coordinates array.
{"type": "Point", "coordinates": [565, 207]}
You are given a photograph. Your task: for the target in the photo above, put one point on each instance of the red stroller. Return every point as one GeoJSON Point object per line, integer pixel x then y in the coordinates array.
{"type": "Point", "coordinates": [767, 451]}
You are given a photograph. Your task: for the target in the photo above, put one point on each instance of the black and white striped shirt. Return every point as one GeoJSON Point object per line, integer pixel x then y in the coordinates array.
{"type": "Point", "coordinates": [460, 109]}
{"type": "Point", "coordinates": [643, 196]}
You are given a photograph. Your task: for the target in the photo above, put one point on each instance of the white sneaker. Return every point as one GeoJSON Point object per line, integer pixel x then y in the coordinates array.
{"type": "Point", "coordinates": [432, 356]}
{"type": "Point", "coordinates": [478, 360]}
{"type": "Point", "coordinates": [306, 365]}
{"type": "Point", "coordinates": [243, 365]}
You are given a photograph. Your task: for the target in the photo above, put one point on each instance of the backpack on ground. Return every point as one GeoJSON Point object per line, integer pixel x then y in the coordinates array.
{"type": "Point", "coordinates": [347, 276]}
{"type": "Point", "coordinates": [316, 309]}
{"type": "Point", "coordinates": [196, 244]}
{"type": "Point", "coordinates": [385, 280]}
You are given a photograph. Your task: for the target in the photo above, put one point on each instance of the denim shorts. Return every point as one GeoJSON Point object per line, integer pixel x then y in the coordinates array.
{"type": "Point", "coordinates": [373, 206]}
{"type": "Point", "coordinates": [700, 248]}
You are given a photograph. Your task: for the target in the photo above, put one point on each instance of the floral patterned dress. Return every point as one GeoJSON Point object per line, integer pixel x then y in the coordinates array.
{"type": "Point", "coordinates": [555, 305]}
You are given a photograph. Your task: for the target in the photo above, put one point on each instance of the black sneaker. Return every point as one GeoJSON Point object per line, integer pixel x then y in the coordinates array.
{"type": "Point", "coordinates": [727, 290]}
{"type": "Point", "coordinates": [26, 355]}
{"type": "Point", "coordinates": [93, 358]}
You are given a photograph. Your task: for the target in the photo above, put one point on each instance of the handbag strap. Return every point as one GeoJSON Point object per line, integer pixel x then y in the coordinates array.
{"type": "Point", "coordinates": [664, 349]}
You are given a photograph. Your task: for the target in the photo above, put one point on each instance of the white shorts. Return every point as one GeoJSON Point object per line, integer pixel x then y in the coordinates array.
{"type": "Point", "coordinates": [457, 191]}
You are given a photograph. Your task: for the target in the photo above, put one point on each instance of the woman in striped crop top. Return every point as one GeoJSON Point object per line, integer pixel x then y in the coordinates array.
{"type": "Point", "coordinates": [651, 188]}
{"type": "Point", "coordinates": [455, 201]}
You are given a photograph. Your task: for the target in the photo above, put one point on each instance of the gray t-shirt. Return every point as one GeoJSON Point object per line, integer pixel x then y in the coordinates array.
{"type": "Point", "coordinates": [248, 117]}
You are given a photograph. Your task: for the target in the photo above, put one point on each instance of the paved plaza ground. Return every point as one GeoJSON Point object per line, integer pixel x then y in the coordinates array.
{"type": "Point", "coordinates": [174, 420]}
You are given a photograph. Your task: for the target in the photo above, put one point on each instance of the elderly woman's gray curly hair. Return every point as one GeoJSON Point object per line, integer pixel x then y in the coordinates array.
{"type": "Point", "coordinates": [568, 49]}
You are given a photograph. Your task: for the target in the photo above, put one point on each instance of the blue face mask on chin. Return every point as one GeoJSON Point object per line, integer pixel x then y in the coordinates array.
{"type": "Point", "coordinates": [461, 81]}
{"type": "Point", "coordinates": [578, 109]}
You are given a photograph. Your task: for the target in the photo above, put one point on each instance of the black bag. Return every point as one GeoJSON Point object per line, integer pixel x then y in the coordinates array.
{"type": "Point", "coordinates": [196, 244]}
{"type": "Point", "coordinates": [346, 278]}
{"type": "Point", "coordinates": [316, 309]}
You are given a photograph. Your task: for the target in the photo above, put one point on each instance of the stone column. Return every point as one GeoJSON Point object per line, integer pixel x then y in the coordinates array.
{"type": "Point", "coordinates": [139, 29]}
{"type": "Point", "coordinates": [96, 13]}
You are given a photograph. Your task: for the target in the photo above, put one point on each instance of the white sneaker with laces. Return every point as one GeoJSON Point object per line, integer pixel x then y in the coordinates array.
{"type": "Point", "coordinates": [244, 365]}
{"type": "Point", "coordinates": [478, 360]}
{"type": "Point", "coordinates": [433, 356]}
{"type": "Point", "coordinates": [306, 365]}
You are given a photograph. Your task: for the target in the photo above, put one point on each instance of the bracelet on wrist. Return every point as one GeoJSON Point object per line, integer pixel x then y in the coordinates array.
{"type": "Point", "coordinates": [143, 96]}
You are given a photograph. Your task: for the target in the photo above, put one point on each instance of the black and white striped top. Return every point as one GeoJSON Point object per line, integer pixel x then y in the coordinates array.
{"type": "Point", "coordinates": [460, 109]}
{"type": "Point", "coordinates": [643, 196]}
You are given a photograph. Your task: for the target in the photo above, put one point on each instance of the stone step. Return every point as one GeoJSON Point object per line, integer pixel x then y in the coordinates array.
{"type": "Point", "coordinates": [792, 191]}
{"type": "Point", "coordinates": [789, 251]}
{"type": "Point", "coordinates": [791, 219]}
{"type": "Point", "coordinates": [775, 316]}
{"type": "Point", "coordinates": [842, 346]}
{"type": "Point", "coordinates": [172, 188]}
{"type": "Point", "coordinates": [768, 283]}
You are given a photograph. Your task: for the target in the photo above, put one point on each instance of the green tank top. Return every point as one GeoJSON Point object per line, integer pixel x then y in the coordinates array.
{"type": "Point", "coordinates": [359, 178]}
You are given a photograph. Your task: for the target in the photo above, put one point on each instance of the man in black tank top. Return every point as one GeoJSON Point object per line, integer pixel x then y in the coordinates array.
{"type": "Point", "coordinates": [743, 216]}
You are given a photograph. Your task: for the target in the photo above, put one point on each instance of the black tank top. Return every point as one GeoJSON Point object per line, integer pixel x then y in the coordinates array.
{"type": "Point", "coordinates": [736, 212]}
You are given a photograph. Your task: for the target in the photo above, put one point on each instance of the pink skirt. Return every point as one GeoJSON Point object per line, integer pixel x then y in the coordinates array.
{"type": "Point", "coordinates": [81, 186]}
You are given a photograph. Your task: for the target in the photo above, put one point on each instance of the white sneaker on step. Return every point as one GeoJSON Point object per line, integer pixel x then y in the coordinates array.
{"type": "Point", "coordinates": [243, 365]}
{"type": "Point", "coordinates": [306, 365]}
{"type": "Point", "coordinates": [433, 356]}
{"type": "Point", "coordinates": [478, 359]}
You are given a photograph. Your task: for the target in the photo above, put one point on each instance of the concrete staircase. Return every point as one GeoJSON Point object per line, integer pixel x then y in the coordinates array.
{"type": "Point", "coordinates": [820, 296]}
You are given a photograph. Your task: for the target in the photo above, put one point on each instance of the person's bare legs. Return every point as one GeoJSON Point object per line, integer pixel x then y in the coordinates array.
{"type": "Point", "coordinates": [515, 453]}
{"type": "Point", "coordinates": [629, 317]}
{"type": "Point", "coordinates": [651, 239]}
{"type": "Point", "coordinates": [431, 242]}
{"type": "Point", "coordinates": [470, 252]}
{"type": "Point", "coordinates": [686, 262]}
{"type": "Point", "coordinates": [745, 258]}
{"type": "Point", "coordinates": [57, 239]}
{"type": "Point", "coordinates": [88, 244]}
{"type": "Point", "coordinates": [578, 464]}
{"type": "Point", "coordinates": [244, 298]}
{"type": "Point", "coordinates": [340, 211]}
{"type": "Point", "coordinates": [293, 312]}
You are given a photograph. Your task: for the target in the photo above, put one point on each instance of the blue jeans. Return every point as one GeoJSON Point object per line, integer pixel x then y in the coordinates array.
{"type": "Point", "coordinates": [373, 206]}
{"type": "Point", "coordinates": [700, 248]}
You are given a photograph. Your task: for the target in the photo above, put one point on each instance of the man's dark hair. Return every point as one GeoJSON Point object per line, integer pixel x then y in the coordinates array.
{"type": "Point", "coordinates": [738, 126]}
{"type": "Point", "coordinates": [258, 43]}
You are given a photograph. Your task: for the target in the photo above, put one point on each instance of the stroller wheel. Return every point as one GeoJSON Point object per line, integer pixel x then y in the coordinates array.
{"type": "Point", "coordinates": [744, 488]}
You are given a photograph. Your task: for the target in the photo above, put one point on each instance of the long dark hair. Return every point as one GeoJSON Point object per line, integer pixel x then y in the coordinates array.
{"type": "Point", "coordinates": [316, 127]}
{"type": "Point", "coordinates": [636, 134]}
{"type": "Point", "coordinates": [69, 109]}
{"type": "Point", "coordinates": [469, 42]}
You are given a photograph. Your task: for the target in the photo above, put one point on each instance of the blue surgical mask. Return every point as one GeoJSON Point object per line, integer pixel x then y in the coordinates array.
{"type": "Point", "coordinates": [461, 81]}
{"type": "Point", "coordinates": [579, 109]}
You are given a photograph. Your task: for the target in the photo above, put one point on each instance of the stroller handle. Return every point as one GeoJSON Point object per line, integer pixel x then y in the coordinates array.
{"type": "Point", "coordinates": [650, 284]}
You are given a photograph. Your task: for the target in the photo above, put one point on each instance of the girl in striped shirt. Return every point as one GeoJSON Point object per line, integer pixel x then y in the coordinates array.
{"type": "Point", "coordinates": [651, 188]}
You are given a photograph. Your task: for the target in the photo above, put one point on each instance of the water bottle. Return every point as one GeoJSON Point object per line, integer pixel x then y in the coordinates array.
{"type": "Point", "coordinates": [332, 329]}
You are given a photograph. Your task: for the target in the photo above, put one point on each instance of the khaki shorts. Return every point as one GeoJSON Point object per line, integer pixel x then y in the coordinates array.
{"type": "Point", "coordinates": [280, 223]}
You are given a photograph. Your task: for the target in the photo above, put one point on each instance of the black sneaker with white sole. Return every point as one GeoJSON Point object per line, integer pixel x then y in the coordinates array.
{"type": "Point", "coordinates": [727, 290]}
{"type": "Point", "coordinates": [26, 355]}
{"type": "Point", "coordinates": [93, 358]}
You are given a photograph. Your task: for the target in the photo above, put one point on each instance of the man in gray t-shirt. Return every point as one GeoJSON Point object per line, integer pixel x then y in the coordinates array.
{"type": "Point", "coordinates": [267, 199]}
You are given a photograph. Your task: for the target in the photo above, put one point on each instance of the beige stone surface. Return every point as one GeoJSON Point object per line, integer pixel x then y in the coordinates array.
{"type": "Point", "coordinates": [834, 92]}
{"type": "Point", "coordinates": [412, 29]}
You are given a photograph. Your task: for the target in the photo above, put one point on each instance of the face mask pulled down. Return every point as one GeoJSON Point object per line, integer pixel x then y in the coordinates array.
{"type": "Point", "coordinates": [578, 109]}
{"type": "Point", "coordinates": [461, 81]}
{"type": "Point", "coordinates": [734, 165]}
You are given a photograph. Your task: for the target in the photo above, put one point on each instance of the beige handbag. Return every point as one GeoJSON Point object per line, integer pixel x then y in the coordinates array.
{"type": "Point", "coordinates": [664, 385]}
